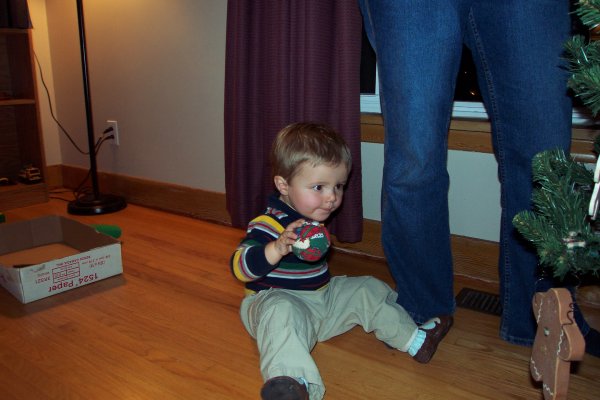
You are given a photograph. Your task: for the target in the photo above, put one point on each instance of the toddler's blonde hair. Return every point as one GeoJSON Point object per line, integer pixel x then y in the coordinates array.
{"type": "Point", "coordinates": [306, 142]}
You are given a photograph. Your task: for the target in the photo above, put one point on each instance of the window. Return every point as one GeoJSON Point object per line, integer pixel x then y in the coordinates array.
{"type": "Point", "coordinates": [467, 99]}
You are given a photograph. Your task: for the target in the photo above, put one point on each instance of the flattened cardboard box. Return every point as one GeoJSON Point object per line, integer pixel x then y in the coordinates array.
{"type": "Point", "coordinates": [49, 255]}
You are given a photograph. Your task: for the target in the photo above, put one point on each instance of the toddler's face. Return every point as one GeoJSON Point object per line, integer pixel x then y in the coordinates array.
{"type": "Point", "coordinates": [315, 192]}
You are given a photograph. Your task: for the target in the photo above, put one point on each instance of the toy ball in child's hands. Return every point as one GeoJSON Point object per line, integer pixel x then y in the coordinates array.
{"type": "Point", "coordinates": [312, 243]}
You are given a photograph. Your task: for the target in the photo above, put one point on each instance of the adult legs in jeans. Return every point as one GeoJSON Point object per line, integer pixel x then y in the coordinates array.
{"type": "Point", "coordinates": [517, 47]}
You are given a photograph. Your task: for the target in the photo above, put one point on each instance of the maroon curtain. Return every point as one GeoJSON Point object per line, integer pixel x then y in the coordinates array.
{"type": "Point", "coordinates": [289, 61]}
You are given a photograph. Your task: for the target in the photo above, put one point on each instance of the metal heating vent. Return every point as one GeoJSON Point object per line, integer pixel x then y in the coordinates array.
{"type": "Point", "coordinates": [477, 300]}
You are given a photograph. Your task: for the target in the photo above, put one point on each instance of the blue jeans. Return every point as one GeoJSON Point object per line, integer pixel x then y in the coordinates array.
{"type": "Point", "coordinates": [517, 47]}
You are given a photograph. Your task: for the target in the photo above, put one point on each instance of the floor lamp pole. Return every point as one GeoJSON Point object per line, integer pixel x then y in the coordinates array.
{"type": "Point", "coordinates": [94, 203]}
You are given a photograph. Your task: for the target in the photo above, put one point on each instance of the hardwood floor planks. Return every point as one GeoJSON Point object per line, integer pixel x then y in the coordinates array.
{"type": "Point", "coordinates": [168, 328]}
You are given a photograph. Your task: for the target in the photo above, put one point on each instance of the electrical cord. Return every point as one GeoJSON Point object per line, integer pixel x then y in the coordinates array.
{"type": "Point", "coordinates": [62, 128]}
{"type": "Point", "coordinates": [79, 191]}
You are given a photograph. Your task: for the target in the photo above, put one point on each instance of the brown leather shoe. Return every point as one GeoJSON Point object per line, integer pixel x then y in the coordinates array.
{"type": "Point", "coordinates": [434, 337]}
{"type": "Point", "coordinates": [283, 388]}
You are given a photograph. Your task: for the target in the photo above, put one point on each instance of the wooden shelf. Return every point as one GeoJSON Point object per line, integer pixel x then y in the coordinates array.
{"type": "Point", "coordinates": [13, 31]}
{"type": "Point", "coordinates": [20, 195]}
{"type": "Point", "coordinates": [20, 136]}
{"type": "Point", "coordinates": [16, 102]}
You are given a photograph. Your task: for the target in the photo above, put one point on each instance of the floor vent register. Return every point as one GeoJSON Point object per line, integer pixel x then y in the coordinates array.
{"type": "Point", "coordinates": [477, 300]}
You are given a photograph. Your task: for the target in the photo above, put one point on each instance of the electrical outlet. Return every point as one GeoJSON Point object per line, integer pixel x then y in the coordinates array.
{"type": "Point", "coordinates": [115, 131]}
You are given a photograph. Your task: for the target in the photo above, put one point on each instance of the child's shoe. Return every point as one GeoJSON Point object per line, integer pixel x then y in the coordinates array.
{"type": "Point", "coordinates": [283, 388]}
{"type": "Point", "coordinates": [435, 330]}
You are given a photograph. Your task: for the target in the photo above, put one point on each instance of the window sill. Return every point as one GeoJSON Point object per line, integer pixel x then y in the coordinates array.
{"type": "Point", "coordinates": [475, 135]}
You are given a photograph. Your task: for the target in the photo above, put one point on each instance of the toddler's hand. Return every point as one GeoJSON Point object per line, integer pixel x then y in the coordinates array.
{"type": "Point", "coordinates": [283, 244]}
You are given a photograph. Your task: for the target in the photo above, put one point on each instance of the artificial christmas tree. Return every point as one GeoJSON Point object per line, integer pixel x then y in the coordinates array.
{"type": "Point", "coordinates": [559, 224]}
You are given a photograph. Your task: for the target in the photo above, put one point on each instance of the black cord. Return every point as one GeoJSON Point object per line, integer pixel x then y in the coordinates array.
{"type": "Point", "coordinates": [52, 110]}
{"type": "Point", "coordinates": [59, 198]}
{"type": "Point", "coordinates": [79, 191]}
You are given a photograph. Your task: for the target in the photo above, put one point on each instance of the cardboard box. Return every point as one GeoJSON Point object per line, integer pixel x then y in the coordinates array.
{"type": "Point", "coordinates": [53, 254]}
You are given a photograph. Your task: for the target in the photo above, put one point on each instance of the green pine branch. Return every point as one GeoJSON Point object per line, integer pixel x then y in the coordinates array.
{"type": "Point", "coordinates": [584, 58]}
{"type": "Point", "coordinates": [588, 12]}
{"type": "Point", "coordinates": [584, 64]}
{"type": "Point", "coordinates": [558, 225]}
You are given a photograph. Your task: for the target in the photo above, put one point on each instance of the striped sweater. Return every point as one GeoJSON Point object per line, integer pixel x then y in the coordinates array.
{"type": "Point", "coordinates": [250, 265]}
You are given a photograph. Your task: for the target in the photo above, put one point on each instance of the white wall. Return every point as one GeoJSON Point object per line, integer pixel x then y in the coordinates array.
{"type": "Point", "coordinates": [474, 196]}
{"type": "Point", "coordinates": [473, 199]}
{"type": "Point", "coordinates": [158, 68]}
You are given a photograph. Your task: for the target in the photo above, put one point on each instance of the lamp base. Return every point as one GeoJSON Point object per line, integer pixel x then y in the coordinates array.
{"type": "Point", "coordinates": [92, 205]}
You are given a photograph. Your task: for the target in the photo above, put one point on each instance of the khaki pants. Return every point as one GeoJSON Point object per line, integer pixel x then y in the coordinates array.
{"type": "Point", "coordinates": [287, 324]}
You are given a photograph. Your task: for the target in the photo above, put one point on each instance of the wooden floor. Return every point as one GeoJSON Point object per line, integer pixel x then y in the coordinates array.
{"type": "Point", "coordinates": [168, 328]}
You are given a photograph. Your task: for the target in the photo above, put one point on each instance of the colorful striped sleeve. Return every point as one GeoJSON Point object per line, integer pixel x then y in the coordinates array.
{"type": "Point", "coordinates": [249, 262]}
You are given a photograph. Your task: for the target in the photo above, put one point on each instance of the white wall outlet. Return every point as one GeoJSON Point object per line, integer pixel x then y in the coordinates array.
{"type": "Point", "coordinates": [115, 132]}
